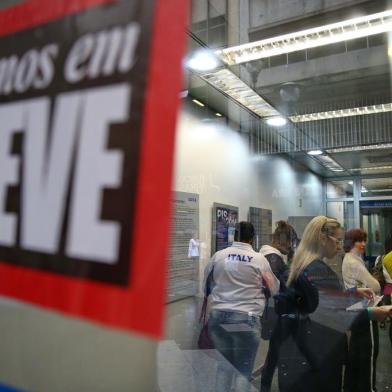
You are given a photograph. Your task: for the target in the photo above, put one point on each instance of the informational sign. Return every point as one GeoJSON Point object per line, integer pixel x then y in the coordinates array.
{"type": "Point", "coordinates": [261, 218]}
{"type": "Point", "coordinates": [184, 250]}
{"type": "Point", "coordinates": [375, 204]}
{"type": "Point", "coordinates": [84, 130]}
{"type": "Point", "coordinates": [224, 218]}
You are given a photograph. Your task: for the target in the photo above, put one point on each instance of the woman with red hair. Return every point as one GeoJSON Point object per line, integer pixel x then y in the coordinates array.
{"type": "Point", "coordinates": [363, 348]}
{"type": "Point", "coordinates": [354, 271]}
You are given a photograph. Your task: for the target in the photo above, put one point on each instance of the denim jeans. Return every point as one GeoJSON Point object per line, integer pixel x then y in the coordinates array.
{"type": "Point", "coordinates": [236, 336]}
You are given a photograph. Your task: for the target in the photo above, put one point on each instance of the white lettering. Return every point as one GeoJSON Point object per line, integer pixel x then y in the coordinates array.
{"type": "Point", "coordinates": [11, 121]}
{"type": "Point", "coordinates": [46, 66]}
{"type": "Point", "coordinates": [74, 69]}
{"type": "Point", "coordinates": [46, 169]}
{"type": "Point", "coordinates": [88, 237]}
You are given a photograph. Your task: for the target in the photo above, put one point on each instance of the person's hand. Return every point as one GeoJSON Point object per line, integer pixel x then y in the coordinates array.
{"type": "Point", "coordinates": [380, 313]}
{"type": "Point", "coordinates": [365, 292]}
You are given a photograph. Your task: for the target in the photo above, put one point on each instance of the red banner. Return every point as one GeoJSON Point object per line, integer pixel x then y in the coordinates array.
{"type": "Point", "coordinates": [88, 103]}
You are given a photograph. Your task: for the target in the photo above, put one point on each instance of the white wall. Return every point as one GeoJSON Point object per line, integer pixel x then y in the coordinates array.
{"type": "Point", "coordinates": [214, 161]}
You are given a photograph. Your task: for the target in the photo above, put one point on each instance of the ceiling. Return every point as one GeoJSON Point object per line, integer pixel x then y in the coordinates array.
{"type": "Point", "coordinates": [339, 76]}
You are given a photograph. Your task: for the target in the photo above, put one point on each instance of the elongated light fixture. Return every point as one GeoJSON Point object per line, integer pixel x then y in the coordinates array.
{"type": "Point", "coordinates": [350, 112]}
{"type": "Point", "coordinates": [319, 36]}
{"type": "Point", "coordinates": [230, 84]}
{"type": "Point", "coordinates": [366, 147]}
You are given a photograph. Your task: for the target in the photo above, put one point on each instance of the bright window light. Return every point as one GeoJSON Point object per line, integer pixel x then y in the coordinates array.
{"type": "Point", "coordinates": [198, 102]}
{"type": "Point", "coordinates": [351, 182]}
{"type": "Point", "coordinates": [315, 152]}
{"type": "Point", "coordinates": [359, 111]}
{"type": "Point", "coordinates": [203, 60]}
{"type": "Point", "coordinates": [324, 35]}
{"type": "Point", "coordinates": [276, 121]}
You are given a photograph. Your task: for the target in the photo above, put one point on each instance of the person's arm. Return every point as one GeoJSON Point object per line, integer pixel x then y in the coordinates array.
{"type": "Point", "coordinates": [367, 279]}
{"type": "Point", "coordinates": [270, 279]}
{"type": "Point", "coordinates": [279, 268]}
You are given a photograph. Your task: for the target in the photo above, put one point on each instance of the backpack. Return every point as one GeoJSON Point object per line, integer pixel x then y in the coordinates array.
{"type": "Point", "coordinates": [377, 272]}
{"type": "Point", "coordinates": [301, 297]}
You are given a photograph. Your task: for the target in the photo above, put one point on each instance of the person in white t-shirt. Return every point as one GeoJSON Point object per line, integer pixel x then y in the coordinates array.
{"type": "Point", "coordinates": [237, 301]}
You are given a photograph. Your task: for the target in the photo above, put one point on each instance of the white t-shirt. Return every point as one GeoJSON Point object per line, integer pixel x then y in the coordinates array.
{"type": "Point", "coordinates": [193, 250]}
{"type": "Point", "coordinates": [355, 273]}
{"type": "Point", "coordinates": [238, 279]}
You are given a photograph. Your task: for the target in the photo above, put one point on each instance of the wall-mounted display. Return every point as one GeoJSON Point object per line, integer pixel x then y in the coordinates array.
{"type": "Point", "coordinates": [224, 218]}
{"type": "Point", "coordinates": [261, 218]}
{"type": "Point", "coordinates": [184, 249]}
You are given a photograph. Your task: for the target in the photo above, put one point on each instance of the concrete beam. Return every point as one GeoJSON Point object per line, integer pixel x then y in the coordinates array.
{"type": "Point", "coordinates": [356, 60]}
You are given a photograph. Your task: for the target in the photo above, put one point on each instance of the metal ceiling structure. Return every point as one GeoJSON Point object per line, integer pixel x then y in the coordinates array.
{"type": "Point", "coordinates": [336, 96]}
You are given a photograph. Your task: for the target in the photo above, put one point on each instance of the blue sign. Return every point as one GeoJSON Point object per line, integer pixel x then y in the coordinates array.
{"type": "Point", "coordinates": [376, 204]}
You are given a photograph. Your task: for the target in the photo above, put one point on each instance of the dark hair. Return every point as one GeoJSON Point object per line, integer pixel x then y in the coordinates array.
{"type": "Point", "coordinates": [388, 243]}
{"type": "Point", "coordinates": [284, 238]}
{"type": "Point", "coordinates": [244, 232]}
{"type": "Point", "coordinates": [352, 236]}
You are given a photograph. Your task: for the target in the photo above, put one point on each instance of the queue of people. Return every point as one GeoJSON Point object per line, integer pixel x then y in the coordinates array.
{"type": "Point", "coordinates": [325, 337]}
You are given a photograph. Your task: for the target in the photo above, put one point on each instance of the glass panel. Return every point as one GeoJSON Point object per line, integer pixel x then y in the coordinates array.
{"type": "Point", "coordinates": [376, 187]}
{"type": "Point", "coordinates": [342, 188]}
{"type": "Point", "coordinates": [343, 211]}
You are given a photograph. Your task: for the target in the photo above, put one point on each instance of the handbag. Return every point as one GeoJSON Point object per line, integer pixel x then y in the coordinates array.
{"type": "Point", "coordinates": [268, 318]}
{"type": "Point", "coordinates": [204, 341]}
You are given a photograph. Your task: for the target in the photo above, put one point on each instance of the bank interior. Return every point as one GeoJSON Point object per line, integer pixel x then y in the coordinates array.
{"type": "Point", "coordinates": [285, 115]}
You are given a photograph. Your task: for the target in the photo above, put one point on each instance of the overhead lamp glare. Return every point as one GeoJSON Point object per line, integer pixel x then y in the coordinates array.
{"type": "Point", "coordinates": [276, 121]}
{"type": "Point", "coordinates": [315, 152]}
{"type": "Point", "coordinates": [202, 60]}
{"type": "Point", "coordinates": [198, 102]}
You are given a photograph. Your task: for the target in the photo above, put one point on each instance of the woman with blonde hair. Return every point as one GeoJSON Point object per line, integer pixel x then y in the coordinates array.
{"type": "Point", "coordinates": [317, 318]}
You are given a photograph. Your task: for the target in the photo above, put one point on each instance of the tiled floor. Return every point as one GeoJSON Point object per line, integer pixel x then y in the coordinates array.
{"type": "Point", "coordinates": [182, 331]}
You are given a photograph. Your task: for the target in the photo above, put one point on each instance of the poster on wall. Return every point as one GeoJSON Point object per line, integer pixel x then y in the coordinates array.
{"type": "Point", "coordinates": [183, 271]}
{"type": "Point", "coordinates": [261, 218]}
{"type": "Point", "coordinates": [224, 218]}
{"type": "Point", "coordinates": [82, 115]}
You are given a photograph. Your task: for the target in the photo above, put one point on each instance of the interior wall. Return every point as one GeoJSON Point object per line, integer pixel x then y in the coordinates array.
{"type": "Point", "coordinates": [214, 161]}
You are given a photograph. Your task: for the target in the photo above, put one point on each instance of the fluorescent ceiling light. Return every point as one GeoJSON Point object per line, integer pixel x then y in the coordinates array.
{"type": "Point", "coordinates": [231, 85]}
{"type": "Point", "coordinates": [328, 163]}
{"type": "Point", "coordinates": [386, 190]}
{"type": "Point", "coordinates": [218, 115]}
{"type": "Point", "coordinates": [324, 35]}
{"type": "Point", "coordinates": [372, 168]}
{"type": "Point", "coordinates": [359, 111]}
{"type": "Point", "coordinates": [315, 152]}
{"type": "Point", "coordinates": [366, 147]}
{"type": "Point", "coordinates": [276, 121]}
{"type": "Point", "coordinates": [351, 182]}
{"type": "Point", "coordinates": [198, 102]}
{"type": "Point", "coordinates": [203, 60]}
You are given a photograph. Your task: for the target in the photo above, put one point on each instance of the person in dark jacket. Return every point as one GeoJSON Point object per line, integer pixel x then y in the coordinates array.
{"type": "Point", "coordinates": [283, 241]}
{"type": "Point", "coordinates": [314, 324]}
